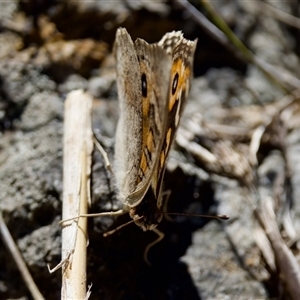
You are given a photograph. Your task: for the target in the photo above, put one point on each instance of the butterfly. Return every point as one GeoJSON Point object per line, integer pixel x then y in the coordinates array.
{"type": "Point", "coordinates": [153, 83]}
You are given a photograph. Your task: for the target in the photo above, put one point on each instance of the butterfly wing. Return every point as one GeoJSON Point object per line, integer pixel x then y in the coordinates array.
{"type": "Point", "coordinates": [143, 72]}
{"type": "Point", "coordinates": [127, 146]}
{"type": "Point", "coordinates": [182, 52]}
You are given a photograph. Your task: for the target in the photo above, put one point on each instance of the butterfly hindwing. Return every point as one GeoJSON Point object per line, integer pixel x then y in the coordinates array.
{"type": "Point", "coordinates": [182, 51]}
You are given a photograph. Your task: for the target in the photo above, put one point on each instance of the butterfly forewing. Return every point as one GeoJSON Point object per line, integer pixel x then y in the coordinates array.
{"type": "Point", "coordinates": [127, 147]}
{"type": "Point", "coordinates": [144, 112]}
{"type": "Point", "coordinates": [155, 67]}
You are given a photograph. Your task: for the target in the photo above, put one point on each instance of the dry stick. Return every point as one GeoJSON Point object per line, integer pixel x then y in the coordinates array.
{"type": "Point", "coordinates": [78, 146]}
{"type": "Point", "coordinates": [192, 147]}
{"type": "Point", "coordinates": [228, 39]}
{"type": "Point", "coordinates": [274, 12]}
{"type": "Point", "coordinates": [265, 247]}
{"type": "Point", "coordinates": [104, 155]}
{"type": "Point", "coordinates": [260, 130]}
{"type": "Point", "coordinates": [13, 249]}
{"type": "Point", "coordinates": [285, 260]}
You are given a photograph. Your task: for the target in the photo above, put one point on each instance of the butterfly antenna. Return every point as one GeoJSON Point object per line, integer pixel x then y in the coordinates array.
{"type": "Point", "coordinates": [218, 217]}
{"type": "Point", "coordinates": [119, 227]}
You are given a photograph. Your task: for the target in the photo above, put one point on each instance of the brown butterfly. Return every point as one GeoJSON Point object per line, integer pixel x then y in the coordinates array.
{"type": "Point", "coordinates": [153, 85]}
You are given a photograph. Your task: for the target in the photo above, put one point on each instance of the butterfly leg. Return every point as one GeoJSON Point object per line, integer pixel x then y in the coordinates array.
{"type": "Point", "coordinates": [149, 246]}
{"type": "Point", "coordinates": [109, 213]}
{"type": "Point", "coordinates": [166, 194]}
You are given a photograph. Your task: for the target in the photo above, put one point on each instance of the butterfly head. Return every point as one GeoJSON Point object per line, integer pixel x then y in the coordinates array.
{"type": "Point", "coordinates": [147, 214]}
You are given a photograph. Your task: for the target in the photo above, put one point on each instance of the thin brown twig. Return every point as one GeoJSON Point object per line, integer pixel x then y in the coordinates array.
{"type": "Point", "coordinates": [286, 261]}
{"type": "Point", "coordinates": [267, 9]}
{"type": "Point", "coordinates": [15, 252]}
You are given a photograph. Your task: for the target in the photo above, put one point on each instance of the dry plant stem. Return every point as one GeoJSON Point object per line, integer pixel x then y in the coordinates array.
{"type": "Point", "coordinates": [265, 247]}
{"type": "Point", "coordinates": [275, 13]}
{"type": "Point", "coordinates": [78, 146]}
{"type": "Point", "coordinates": [247, 54]}
{"type": "Point", "coordinates": [285, 260]}
{"type": "Point", "coordinates": [195, 149]}
{"type": "Point", "coordinates": [260, 130]}
{"type": "Point", "coordinates": [78, 273]}
{"type": "Point", "coordinates": [228, 39]}
{"type": "Point", "coordinates": [89, 291]}
{"type": "Point", "coordinates": [13, 249]}
{"type": "Point", "coordinates": [255, 144]}
{"type": "Point", "coordinates": [104, 155]}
